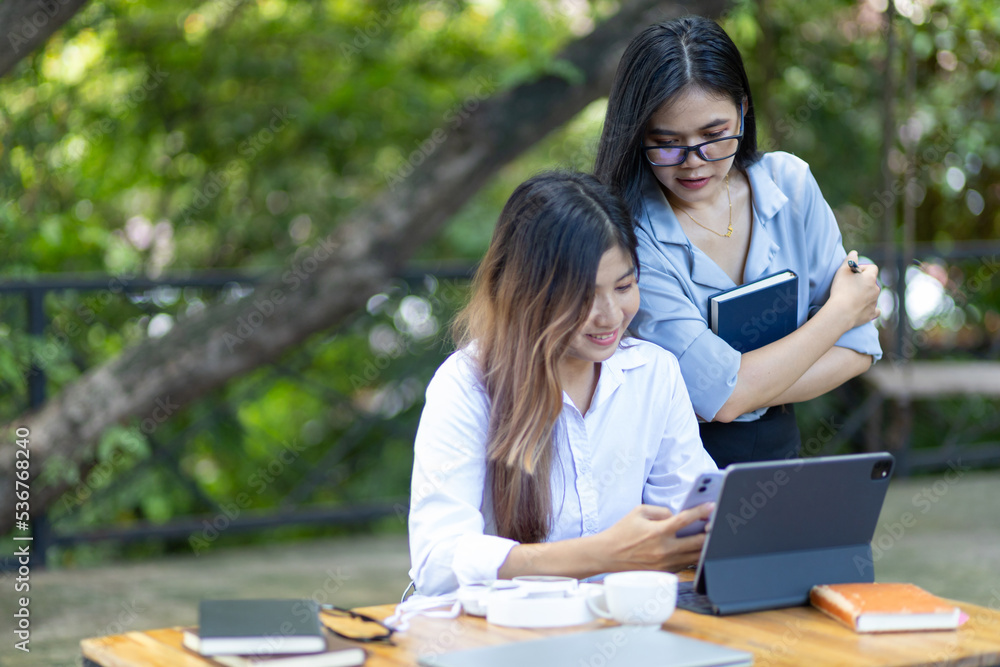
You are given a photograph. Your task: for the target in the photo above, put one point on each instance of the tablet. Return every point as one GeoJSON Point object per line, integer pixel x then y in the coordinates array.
{"type": "Point", "coordinates": [781, 527]}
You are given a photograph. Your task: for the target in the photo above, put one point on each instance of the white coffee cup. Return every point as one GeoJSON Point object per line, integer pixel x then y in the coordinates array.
{"type": "Point", "coordinates": [645, 598]}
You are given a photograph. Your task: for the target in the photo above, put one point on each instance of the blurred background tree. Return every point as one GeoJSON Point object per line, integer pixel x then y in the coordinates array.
{"type": "Point", "coordinates": [147, 140]}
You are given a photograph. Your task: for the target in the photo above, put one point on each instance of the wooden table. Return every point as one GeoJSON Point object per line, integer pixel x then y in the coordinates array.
{"type": "Point", "coordinates": [793, 637]}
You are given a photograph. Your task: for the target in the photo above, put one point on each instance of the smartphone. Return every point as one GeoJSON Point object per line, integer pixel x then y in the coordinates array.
{"type": "Point", "coordinates": [705, 490]}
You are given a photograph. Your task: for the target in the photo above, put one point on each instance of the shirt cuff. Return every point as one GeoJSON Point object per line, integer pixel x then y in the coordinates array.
{"type": "Point", "coordinates": [862, 339]}
{"type": "Point", "coordinates": [478, 557]}
{"type": "Point", "coordinates": [710, 367]}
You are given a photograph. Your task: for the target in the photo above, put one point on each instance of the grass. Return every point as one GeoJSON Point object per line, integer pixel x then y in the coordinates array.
{"type": "Point", "coordinates": [940, 532]}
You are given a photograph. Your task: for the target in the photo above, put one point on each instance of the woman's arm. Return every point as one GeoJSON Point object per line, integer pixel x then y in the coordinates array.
{"type": "Point", "coordinates": [449, 545]}
{"type": "Point", "coordinates": [767, 373]}
{"type": "Point", "coordinates": [448, 541]}
{"type": "Point", "coordinates": [644, 539]}
{"type": "Point", "coordinates": [833, 369]}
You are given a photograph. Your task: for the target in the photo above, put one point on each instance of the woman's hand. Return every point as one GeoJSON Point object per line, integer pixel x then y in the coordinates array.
{"type": "Point", "coordinates": [769, 375]}
{"type": "Point", "coordinates": [855, 294]}
{"type": "Point", "coordinates": [645, 539]}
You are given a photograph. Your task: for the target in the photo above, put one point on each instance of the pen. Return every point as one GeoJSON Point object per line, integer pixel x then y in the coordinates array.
{"type": "Point", "coordinates": [854, 266]}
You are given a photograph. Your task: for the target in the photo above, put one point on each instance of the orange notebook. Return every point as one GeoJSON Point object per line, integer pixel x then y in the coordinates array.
{"type": "Point", "coordinates": [885, 607]}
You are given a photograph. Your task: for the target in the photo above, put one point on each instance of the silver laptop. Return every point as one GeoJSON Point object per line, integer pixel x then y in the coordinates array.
{"type": "Point", "coordinates": [622, 646]}
{"type": "Point", "coordinates": [781, 527]}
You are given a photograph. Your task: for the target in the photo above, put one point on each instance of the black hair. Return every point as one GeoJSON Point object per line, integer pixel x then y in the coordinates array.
{"type": "Point", "coordinates": [658, 64]}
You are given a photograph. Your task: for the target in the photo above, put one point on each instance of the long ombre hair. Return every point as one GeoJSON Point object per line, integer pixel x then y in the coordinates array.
{"type": "Point", "coordinates": [533, 290]}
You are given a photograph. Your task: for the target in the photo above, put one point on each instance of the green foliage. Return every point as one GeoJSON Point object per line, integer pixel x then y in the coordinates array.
{"type": "Point", "coordinates": [147, 139]}
{"type": "Point", "coordinates": [225, 135]}
{"type": "Point", "coordinates": [819, 72]}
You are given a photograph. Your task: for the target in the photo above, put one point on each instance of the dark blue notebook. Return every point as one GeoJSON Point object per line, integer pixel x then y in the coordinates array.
{"type": "Point", "coordinates": [756, 314]}
{"type": "Point", "coordinates": [259, 627]}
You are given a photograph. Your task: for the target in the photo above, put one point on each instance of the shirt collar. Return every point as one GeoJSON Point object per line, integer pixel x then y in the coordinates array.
{"type": "Point", "coordinates": [768, 198]}
{"type": "Point", "coordinates": [660, 219]}
{"type": "Point", "coordinates": [626, 357]}
{"type": "Point", "coordinates": [661, 222]}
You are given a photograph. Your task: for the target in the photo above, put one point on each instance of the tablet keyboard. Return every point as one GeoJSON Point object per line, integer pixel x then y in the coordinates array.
{"type": "Point", "coordinates": [690, 599]}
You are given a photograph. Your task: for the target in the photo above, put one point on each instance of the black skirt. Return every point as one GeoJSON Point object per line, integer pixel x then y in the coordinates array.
{"type": "Point", "coordinates": [774, 436]}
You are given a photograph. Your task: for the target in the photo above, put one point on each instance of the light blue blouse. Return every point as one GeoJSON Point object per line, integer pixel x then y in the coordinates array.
{"type": "Point", "coordinates": [793, 228]}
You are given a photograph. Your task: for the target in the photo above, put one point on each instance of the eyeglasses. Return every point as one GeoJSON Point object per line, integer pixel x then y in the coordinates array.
{"type": "Point", "coordinates": [354, 626]}
{"type": "Point", "coordinates": [710, 151]}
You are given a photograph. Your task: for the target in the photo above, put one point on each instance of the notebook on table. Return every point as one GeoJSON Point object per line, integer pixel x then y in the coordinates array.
{"type": "Point", "coordinates": [622, 646]}
{"type": "Point", "coordinates": [259, 627]}
{"type": "Point", "coordinates": [338, 653]}
{"type": "Point", "coordinates": [888, 607]}
{"type": "Point", "coordinates": [782, 527]}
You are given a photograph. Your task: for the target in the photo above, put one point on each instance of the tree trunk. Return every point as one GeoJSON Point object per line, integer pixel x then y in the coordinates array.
{"type": "Point", "coordinates": [27, 24]}
{"type": "Point", "coordinates": [335, 277]}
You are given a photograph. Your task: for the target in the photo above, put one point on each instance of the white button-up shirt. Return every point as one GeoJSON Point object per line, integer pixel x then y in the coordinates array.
{"type": "Point", "coordinates": [793, 228]}
{"type": "Point", "coordinates": [638, 443]}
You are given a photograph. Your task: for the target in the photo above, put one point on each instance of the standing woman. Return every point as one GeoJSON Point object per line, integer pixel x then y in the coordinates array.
{"type": "Point", "coordinates": [680, 146]}
{"type": "Point", "coordinates": [550, 443]}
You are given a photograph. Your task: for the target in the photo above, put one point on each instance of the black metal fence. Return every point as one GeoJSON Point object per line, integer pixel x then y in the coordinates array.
{"type": "Point", "coordinates": [364, 411]}
{"type": "Point", "coordinates": [354, 413]}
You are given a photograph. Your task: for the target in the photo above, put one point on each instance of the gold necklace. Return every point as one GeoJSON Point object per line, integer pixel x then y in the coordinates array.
{"type": "Point", "coordinates": [730, 232]}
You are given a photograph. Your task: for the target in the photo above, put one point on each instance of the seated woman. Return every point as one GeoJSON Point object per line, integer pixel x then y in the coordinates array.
{"type": "Point", "coordinates": [550, 442]}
